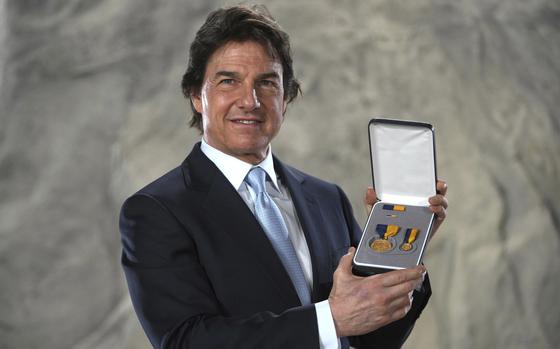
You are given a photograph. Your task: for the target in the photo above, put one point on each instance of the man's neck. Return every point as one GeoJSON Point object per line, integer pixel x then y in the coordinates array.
{"type": "Point", "coordinates": [235, 169]}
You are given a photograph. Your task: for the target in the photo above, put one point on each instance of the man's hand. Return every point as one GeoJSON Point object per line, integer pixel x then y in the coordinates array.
{"type": "Point", "coordinates": [363, 304]}
{"type": "Point", "coordinates": [438, 203]}
{"type": "Point", "coordinates": [370, 199]}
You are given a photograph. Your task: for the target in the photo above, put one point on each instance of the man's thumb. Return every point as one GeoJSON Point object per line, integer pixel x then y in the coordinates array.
{"type": "Point", "coordinates": [346, 260]}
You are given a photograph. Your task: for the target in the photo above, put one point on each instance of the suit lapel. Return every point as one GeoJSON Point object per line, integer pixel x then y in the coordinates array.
{"type": "Point", "coordinates": [309, 215]}
{"type": "Point", "coordinates": [230, 215]}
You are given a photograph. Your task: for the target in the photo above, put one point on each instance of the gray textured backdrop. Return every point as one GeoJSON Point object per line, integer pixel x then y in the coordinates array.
{"type": "Point", "coordinates": [90, 111]}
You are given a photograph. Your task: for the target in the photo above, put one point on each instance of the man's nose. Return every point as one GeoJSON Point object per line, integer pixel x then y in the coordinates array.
{"type": "Point", "coordinates": [249, 99]}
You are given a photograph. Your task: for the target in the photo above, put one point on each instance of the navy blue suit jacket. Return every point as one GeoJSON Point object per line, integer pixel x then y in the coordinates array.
{"type": "Point", "coordinates": [202, 273]}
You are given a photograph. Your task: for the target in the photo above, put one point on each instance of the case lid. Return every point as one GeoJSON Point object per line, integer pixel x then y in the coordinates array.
{"type": "Point", "coordinates": [403, 161]}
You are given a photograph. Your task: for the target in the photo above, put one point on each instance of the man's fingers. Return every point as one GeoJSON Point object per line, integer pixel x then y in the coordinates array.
{"type": "Point", "coordinates": [403, 301]}
{"type": "Point", "coordinates": [401, 276]}
{"type": "Point", "coordinates": [399, 307]}
{"type": "Point", "coordinates": [441, 187]}
{"type": "Point", "coordinates": [438, 200]}
{"type": "Point", "coordinates": [369, 199]}
{"type": "Point", "coordinates": [439, 211]}
{"type": "Point", "coordinates": [399, 313]}
{"type": "Point", "coordinates": [438, 205]}
{"type": "Point", "coordinates": [346, 260]}
{"type": "Point", "coordinates": [403, 290]}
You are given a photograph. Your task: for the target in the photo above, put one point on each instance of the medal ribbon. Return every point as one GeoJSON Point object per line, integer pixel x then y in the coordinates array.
{"type": "Point", "coordinates": [386, 231]}
{"type": "Point", "coordinates": [394, 207]}
{"type": "Point", "coordinates": [410, 235]}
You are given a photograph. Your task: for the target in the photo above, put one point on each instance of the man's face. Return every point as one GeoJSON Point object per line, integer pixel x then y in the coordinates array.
{"type": "Point", "coordinates": [241, 100]}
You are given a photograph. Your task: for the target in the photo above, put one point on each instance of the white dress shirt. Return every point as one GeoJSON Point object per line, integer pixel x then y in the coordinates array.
{"type": "Point", "coordinates": [235, 171]}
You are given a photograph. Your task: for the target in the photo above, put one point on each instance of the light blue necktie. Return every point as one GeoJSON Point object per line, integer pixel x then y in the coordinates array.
{"type": "Point", "coordinates": [270, 218]}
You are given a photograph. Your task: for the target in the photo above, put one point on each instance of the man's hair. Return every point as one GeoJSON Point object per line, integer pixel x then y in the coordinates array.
{"type": "Point", "coordinates": [237, 24]}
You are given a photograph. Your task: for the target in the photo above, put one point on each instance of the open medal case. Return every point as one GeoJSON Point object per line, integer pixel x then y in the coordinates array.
{"type": "Point", "coordinates": [403, 164]}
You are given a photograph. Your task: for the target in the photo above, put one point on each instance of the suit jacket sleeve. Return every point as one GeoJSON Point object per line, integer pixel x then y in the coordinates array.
{"type": "Point", "coordinates": [174, 299]}
{"type": "Point", "coordinates": [394, 334]}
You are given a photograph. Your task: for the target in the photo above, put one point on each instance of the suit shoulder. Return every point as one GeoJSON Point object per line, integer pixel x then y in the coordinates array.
{"type": "Point", "coordinates": [165, 187]}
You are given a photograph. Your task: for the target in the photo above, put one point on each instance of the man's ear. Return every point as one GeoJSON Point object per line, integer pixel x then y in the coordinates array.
{"type": "Point", "coordinates": [284, 107]}
{"type": "Point", "coordinates": [196, 101]}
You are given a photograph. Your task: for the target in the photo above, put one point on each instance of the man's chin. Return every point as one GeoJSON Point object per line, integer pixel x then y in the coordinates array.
{"type": "Point", "coordinates": [255, 152]}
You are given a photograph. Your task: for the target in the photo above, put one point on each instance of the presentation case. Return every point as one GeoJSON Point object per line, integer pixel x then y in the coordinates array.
{"type": "Point", "coordinates": [403, 161]}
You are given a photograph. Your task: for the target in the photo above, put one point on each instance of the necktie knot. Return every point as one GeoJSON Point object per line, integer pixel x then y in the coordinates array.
{"type": "Point", "coordinates": [256, 179]}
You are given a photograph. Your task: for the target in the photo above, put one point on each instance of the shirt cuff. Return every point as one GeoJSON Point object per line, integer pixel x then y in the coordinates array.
{"type": "Point", "coordinates": [325, 323]}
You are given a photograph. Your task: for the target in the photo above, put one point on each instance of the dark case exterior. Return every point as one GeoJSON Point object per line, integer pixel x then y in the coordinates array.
{"type": "Point", "coordinates": [367, 261]}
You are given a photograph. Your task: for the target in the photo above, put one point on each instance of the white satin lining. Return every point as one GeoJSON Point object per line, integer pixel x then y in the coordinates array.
{"type": "Point", "coordinates": [403, 163]}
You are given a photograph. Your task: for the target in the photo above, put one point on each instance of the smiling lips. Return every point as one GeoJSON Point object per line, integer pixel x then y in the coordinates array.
{"type": "Point", "coordinates": [246, 121]}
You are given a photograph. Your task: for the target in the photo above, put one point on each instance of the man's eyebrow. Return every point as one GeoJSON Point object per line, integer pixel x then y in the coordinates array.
{"type": "Point", "coordinates": [229, 74]}
{"type": "Point", "coordinates": [269, 75]}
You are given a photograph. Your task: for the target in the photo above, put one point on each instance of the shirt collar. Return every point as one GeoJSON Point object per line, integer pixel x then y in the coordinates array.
{"type": "Point", "coordinates": [236, 170]}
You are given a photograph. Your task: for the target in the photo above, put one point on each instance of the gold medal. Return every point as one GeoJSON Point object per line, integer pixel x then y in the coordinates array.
{"type": "Point", "coordinates": [410, 237]}
{"type": "Point", "coordinates": [381, 245]}
{"type": "Point", "coordinates": [406, 246]}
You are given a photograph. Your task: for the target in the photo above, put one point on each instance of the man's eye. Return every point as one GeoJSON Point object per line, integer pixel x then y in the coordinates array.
{"type": "Point", "coordinates": [267, 83]}
{"type": "Point", "coordinates": [227, 81]}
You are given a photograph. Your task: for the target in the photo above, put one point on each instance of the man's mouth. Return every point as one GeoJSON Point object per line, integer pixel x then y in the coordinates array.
{"type": "Point", "coordinates": [246, 122]}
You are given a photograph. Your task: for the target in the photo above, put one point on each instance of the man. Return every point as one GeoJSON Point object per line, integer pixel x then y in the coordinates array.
{"type": "Point", "coordinates": [233, 248]}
